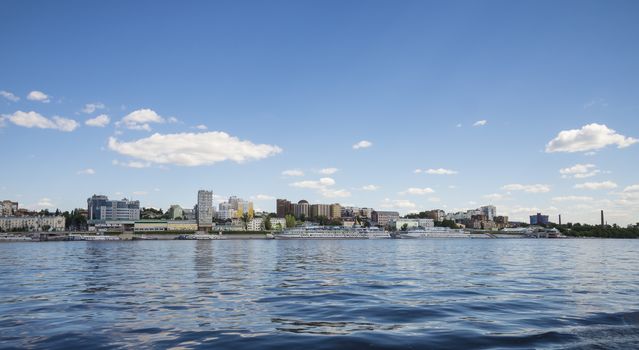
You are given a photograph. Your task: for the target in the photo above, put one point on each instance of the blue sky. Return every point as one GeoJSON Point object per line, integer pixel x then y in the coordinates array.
{"type": "Point", "coordinates": [294, 85]}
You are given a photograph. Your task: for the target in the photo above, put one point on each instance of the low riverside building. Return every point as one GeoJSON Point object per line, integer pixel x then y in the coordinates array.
{"type": "Point", "coordinates": [165, 226]}
{"type": "Point", "coordinates": [398, 224]}
{"type": "Point", "coordinates": [32, 223]}
{"type": "Point", "coordinates": [383, 218]}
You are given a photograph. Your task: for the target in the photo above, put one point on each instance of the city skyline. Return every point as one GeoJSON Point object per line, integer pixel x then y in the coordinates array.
{"type": "Point", "coordinates": [324, 105]}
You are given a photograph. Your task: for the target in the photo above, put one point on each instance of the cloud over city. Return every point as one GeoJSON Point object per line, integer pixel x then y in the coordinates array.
{"type": "Point", "coordinates": [192, 149]}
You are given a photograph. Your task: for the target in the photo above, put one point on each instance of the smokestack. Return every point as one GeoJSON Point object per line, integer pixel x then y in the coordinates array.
{"type": "Point", "coordinates": [602, 219]}
{"type": "Point", "coordinates": [559, 219]}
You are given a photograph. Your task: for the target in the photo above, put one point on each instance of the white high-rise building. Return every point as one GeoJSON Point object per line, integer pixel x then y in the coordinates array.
{"type": "Point", "coordinates": [205, 209]}
{"type": "Point", "coordinates": [490, 211]}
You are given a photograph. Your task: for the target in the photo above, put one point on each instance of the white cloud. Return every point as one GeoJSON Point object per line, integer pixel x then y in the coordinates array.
{"type": "Point", "coordinates": [193, 149]}
{"type": "Point", "coordinates": [173, 120]}
{"type": "Point", "coordinates": [328, 171]}
{"type": "Point", "coordinates": [331, 193]}
{"type": "Point", "coordinates": [320, 184]}
{"type": "Point", "coordinates": [604, 185]}
{"type": "Point", "coordinates": [441, 171]}
{"type": "Point", "coordinates": [417, 171]}
{"type": "Point", "coordinates": [397, 204]}
{"type": "Point", "coordinates": [370, 188]}
{"type": "Point", "coordinates": [36, 120]}
{"type": "Point", "coordinates": [293, 172]}
{"type": "Point", "coordinates": [100, 121]}
{"type": "Point", "coordinates": [201, 127]}
{"type": "Point", "coordinates": [572, 199]}
{"type": "Point", "coordinates": [92, 107]}
{"type": "Point", "coordinates": [87, 171]}
{"type": "Point", "coordinates": [323, 187]}
{"type": "Point", "coordinates": [589, 137]}
{"type": "Point", "coordinates": [418, 191]}
{"type": "Point", "coordinates": [362, 144]}
{"type": "Point", "coordinates": [537, 188]}
{"type": "Point", "coordinates": [495, 196]}
{"type": "Point", "coordinates": [632, 188]}
{"type": "Point", "coordinates": [140, 119]}
{"type": "Point", "coordinates": [263, 197]}
{"type": "Point", "coordinates": [579, 171]}
{"type": "Point", "coordinates": [9, 96]}
{"type": "Point", "coordinates": [480, 122]}
{"type": "Point", "coordinates": [38, 96]}
{"type": "Point", "coordinates": [132, 164]}
{"type": "Point", "coordinates": [45, 202]}
{"type": "Point", "coordinates": [140, 193]}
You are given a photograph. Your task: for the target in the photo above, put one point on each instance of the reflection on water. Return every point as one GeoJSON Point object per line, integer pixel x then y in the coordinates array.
{"type": "Point", "coordinates": [321, 294]}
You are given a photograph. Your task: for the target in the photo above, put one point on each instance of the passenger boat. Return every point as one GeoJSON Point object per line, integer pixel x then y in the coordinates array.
{"type": "Point", "coordinates": [328, 232]}
{"type": "Point", "coordinates": [435, 232]}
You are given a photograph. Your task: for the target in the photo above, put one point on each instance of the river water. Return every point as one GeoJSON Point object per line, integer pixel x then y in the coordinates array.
{"type": "Point", "coordinates": [446, 294]}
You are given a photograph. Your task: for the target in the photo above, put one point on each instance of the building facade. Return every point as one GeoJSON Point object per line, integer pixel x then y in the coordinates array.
{"type": "Point", "coordinates": [8, 208]}
{"type": "Point", "coordinates": [33, 223]}
{"type": "Point", "coordinates": [204, 213]}
{"type": "Point", "coordinates": [283, 207]}
{"type": "Point", "coordinates": [383, 218]}
{"type": "Point", "coordinates": [100, 208]}
{"type": "Point", "coordinates": [175, 211]}
{"type": "Point", "coordinates": [539, 219]}
{"type": "Point", "coordinates": [318, 210]}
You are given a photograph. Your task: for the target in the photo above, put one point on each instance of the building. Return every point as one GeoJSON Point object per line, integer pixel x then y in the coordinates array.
{"type": "Point", "coordinates": [383, 218]}
{"type": "Point", "coordinates": [278, 223]}
{"type": "Point", "coordinates": [283, 207]}
{"type": "Point", "coordinates": [350, 212]}
{"type": "Point", "coordinates": [501, 221]}
{"type": "Point", "coordinates": [302, 209]}
{"type": "Point", "coordinates": [490, 211]}
{"type": "Point", "coordinates": [539, 219]}
{"type": "Point", "coordinates": [336, 211]}
{"type": "Point", "coordinates": [411, 223]}
{"type": "Point", "coordinates": [175, 211]}
{"type": "Point", "coordinates": [164, 226]}
{"type": "Point", "coordinates": [8, 208]}
{"type": "Point", "coordinates": [366, 213]}
{"type": "Point", "coordinates": [204, 213]}
{"type": "Point", "coordinates": [32, 223]}
{"type": "Point", "coordinates": [188, 214]}
{"type": "Point", "coordinates": [318, 210]}
{"type": "Point", "coordinates": [100, 208]}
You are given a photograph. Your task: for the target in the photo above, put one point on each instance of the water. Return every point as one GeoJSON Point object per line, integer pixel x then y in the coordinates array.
{"type": "Point", "coordinates": [321, 294]}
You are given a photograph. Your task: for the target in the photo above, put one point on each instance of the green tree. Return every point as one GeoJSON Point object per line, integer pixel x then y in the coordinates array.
{"type": "Point", "coordinates": [267, 223]}
{"type": "Point", "coordinates": [290, 221]}
{"type": "Point", "coordinates": [404, 227]}
{"type": "Point", "coordinates": [245, 220]}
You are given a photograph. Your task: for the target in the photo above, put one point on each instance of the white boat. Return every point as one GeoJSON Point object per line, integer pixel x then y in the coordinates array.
{"type": "Point", "coordinates": [328, 232]}
{"type": "Point", "coordinates": [76, 237]}
{"type": "Point", "coordinates": [201, 236]}
{"type": "Point", "coordinates": [436, 232]}
{"type": "Point", "coordinates": [100, 238]}
{"type": "Point", "coordinates": [13, 238]}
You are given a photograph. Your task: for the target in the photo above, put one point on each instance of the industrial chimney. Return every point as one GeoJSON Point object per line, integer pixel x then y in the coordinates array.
{"type": "Point", "coordinates": [602, 219]}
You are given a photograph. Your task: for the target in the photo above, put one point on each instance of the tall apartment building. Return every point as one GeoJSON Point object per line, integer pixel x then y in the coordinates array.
{"type": "Point", "coordinates": [336, 211]}
{"type": "Point", "coordinates": [204, 213]}
{"type": "Point", "coordinates": [100, 208]}
{"type": "Point", "coordinates": [490, 211]}
{"type": "Point", "coordinates": [318, 210]}
{"type": "Point", "coordinates": [302, 208]}
{"type": "Point", "coordinates": [284, 207]}
{"type": "Point", "coordinates": [8, 208]}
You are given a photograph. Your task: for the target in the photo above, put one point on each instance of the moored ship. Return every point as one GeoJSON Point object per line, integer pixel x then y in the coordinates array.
{"type": "Point", "coordinates": [436, 232]}
{"type": "Point", "coordinates": [323, 232]}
